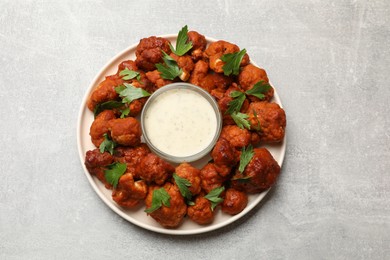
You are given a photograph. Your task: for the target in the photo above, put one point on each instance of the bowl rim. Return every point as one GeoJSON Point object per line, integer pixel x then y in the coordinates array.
{"type": "Point", "coordinates": [187, 86]}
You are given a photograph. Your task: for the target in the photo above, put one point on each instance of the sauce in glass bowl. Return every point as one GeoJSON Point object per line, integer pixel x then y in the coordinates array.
{"type": "Point", "coordinates": [181, 122]}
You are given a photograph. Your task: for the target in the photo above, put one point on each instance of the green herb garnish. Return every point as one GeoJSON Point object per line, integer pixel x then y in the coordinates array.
{"type": "Point", "coordinates": [125, 112]}
{"type": "Point", "coordinates": [160, 197]}
{"type": "Point", "coordinates": [213, 197]}
{"type": "Point", "coordinates": [183, 185]}
{"type": "Point", "coordinates": [106, 106]}
{"type": "Point", "coordinates": [246, 156]}
{"type": "Point", "coordinates": [128, 93]}
{"type": "Point", "coordinates": [232, 62]}
{"type": "Point", "coordinates": [241, 120]}
{"type": "Point", "coordinates": [242, 179]}
{"type": "Point", "coordinates": [114, 172]}
{"type": "Point", "coordinates": [182, 44]}
{"type": "Point", "coordinates": [170, 69]}
{"type": "Point", "coordinates": [107, 145]}
{"type": "Point", "coordinates": [129, 74]}
{"type": "Point", "coordinates": [259, 89]}
{"type": "Point", "coordinates": [258, 127]}
{"type": "Point", "coordinates": [236, 104]}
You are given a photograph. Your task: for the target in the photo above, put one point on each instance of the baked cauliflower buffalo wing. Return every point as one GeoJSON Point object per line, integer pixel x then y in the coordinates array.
{"type": "Point", "coordinates": [198, 45]}
{"type": "Point", "coordinates": [149, 52]}
{"type": "Point", "coordinates": [210, 178]}
{"type": "Point", "coordinates": [190, 173]}
{"type": "Point", "coordinates": [154, 169]}
{"type": "Point", "coordinates": [100, 126]}
{"type": "Point", "coordinates": [129, 193]}
{"type": "Point", "coordinates": [260, 173]}
{"type": "Point", "coordinates": [269, 119]}
{"type": "Point", "coordinates": [105, 91]}
{"type": "Point", "coordinates": [172, 216]}
{"type": "Point", "coordinates": [96, 162]}
{"type": "Point", "coordinates": [249, 76]}
{"type": "Point", "coordinates": [217, 49]}
{"type": "Point", "coordinates": [201, 212]}
{"type": "Point", "coordinates": [132, 156]}
{"type": "Point", "coordinates": [125, 131]}
{"type": "Point", "coordinates": [237, 137]}
{"type": "Point", "coordinates": [234, 202]}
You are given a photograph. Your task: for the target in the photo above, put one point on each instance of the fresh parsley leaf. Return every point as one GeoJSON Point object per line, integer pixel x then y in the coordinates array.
{"type": "Point", "coordinates": [236, 104]}
{"type": "Point", "coordinates": [183, 185]}
{"type": "Point", "coordinates": [160, 197]}
{"type": "Point", "coordinates": [241, 120]}
{"type": "Point", "coordinates": [114, 172]}
{"type": "Point", "coordinates": [169, 70]}
{"type": "Point", "coordinates": [232, 62]}
{"type": "Point", "coordinates": [106, 106]}
{"type": "Point", "coordinates": [182, 46]}
{"type": "Point", "coordinates": [129, 74]}
{"type": "Point", "coordinates": [246, 156]}
{"type": "Point", "coordinates": [128, 92]}
{"type": "Point", "coordinates": [213, 197]}
{"type": "Point", "coordinates": [107, 145]}
{"type": "Point", "coordinates": [125, 112]}
{"type": "Point", "coordinates": [259, 89]}
{"type": "Point", "coordinates": [242, 179]}
{"type": "Point", "coordinates": [258, 127]}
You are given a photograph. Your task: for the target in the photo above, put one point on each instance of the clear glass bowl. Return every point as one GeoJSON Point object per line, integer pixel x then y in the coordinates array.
{"type": "Point", "coordinates": [192, 157]}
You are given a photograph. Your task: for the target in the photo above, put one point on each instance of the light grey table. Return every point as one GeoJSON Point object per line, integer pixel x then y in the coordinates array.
{"type": "Point", "coordinates": [330, 63]}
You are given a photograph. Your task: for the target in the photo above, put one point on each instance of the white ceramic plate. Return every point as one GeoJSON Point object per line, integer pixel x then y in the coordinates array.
{"type": "Point", "coordinates": [138, 216]}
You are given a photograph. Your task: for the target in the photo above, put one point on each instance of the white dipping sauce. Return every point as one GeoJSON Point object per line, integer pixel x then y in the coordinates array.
{"type": "Point", "coordinates": [180, 122]}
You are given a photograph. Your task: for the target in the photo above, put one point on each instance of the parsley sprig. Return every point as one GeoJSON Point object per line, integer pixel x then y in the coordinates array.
{"type": "Point", "coordinates": [114, 172]}
{"type": "Point", "coordinates": [213, 196]}
{"type": "Point", "coordinates": [129, 74]}
{"type": "Point", "coordinates": [241, 120]}
{"type": "Point", "coordinates": [107, 145]}
{"type": "Point", "coordinates": [236, 104]}
{"type": "Point", "coordinates": [182, 43]}
{"type": "Point", "coordinates": [159, 197]}
{"type": "Point", "coordinates": [128, 92]}
{"type": "Point", "coordinates": [170, 69]}
{"type": "Point", "coordinates": [259, 89]}
{"type": "Point", "coordinates": [183, 185]}
{"type": "Point", "coordinates": [246, 156]}
{"type": "Point", "coordinates": [106, 106]}
{"type": "Point", "coordinates": [232, 62]}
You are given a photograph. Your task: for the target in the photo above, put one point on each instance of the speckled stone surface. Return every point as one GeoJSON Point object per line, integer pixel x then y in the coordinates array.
{"type": "Point", "coordinates": [328, 60]}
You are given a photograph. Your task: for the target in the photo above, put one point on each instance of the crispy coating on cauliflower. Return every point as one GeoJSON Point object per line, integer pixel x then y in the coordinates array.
{"type": "Point", "coordinates": [154, 169]}
{"type": "Point", "coordinates": [201, 212]}
{"type": "Point", "coordinates": [198, 45]}
{"type": "Point", "coordinates": [129, 193]}
{"type": "Point", "coordinates": [190, 173]}
{"type": "Point", "coordinates": [236, 136]}
{"type": "Point", "coordinates": [249, 76]}
{"type": "Point", "coordinates": [104, 92]}
{"type": "Point", "coordinates": [100, 126]}
{"type": "Point", "coordinates": [224, 153]}
{"type": "Point", "coordinates": [125, 131]}
{"type": "Point", "coordinates": [149, 52]}
{"type": "Point", "coordinates": [269, 119]}
{"type": "Point", "coordinates": [96, 162]}
{"type": "Point", "coordinates": [172, 216]}
{"type": "Point", "coordinates": [210, 178]}
{"type": "Point", "coordinates": [234, 201]}
{"type": "Point", "coordinates": [215, 51]}
{"type": "Point", "coordinates": [132, 156]}
{"type": "Point", "coordinates": [260, 173]}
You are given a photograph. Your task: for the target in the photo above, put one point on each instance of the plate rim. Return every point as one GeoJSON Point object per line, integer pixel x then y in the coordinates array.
{"type": "Point", "coordinates": [110, 203]}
